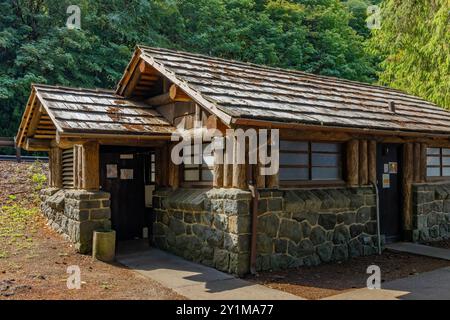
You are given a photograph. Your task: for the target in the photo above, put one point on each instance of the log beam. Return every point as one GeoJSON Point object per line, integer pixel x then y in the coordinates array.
{"type": "Point", "coordinates": [134, 80]}
{"type": "Point", "coordinates": [37, 144]}
{"type": "Point", "coordinates": [174, 95]}
{"type": "Point", "coordinates": [159, 100]}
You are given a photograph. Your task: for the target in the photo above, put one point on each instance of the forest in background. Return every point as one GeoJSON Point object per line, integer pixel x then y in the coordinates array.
{"type": "Point", "coordinates": [328, 37]}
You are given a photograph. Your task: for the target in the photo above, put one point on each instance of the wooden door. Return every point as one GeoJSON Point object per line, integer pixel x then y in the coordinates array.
{"type": "Point", "coordinates": [122, 174]}
{"type": "Point", "coordinates": [389, 170]}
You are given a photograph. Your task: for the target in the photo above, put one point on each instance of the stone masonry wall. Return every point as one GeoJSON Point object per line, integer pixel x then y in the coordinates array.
{"type": "Point", "coordinates": [76, 214]}
{"type": "Point", "coordinates": [211, 227]}
{"type": "Point", "coordinates": [310, 226]}
{"type": "Point", "coordinates": [431, 212]}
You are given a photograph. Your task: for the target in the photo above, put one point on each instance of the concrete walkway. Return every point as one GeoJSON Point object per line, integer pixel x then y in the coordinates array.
{"type": "Point", "coordinates": [420, 249]}
{"type": "Point", "coordinates": [433, 285]}
{"type": "Point", "coordinates": [195, 281]}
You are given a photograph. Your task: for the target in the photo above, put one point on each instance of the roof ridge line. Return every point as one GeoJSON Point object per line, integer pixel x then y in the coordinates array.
{"type": "Point", "coordinates": [285, 70]}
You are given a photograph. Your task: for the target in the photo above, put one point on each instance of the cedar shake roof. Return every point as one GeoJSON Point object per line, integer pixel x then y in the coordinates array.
{"type": "Point", "coordinates": [85, 111]}
{"type": "Point", "coordinates": [237, 91]}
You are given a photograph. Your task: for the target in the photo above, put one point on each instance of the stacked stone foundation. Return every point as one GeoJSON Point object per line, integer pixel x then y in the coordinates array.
{"type": "Point", "coordinates": [303, 227]}
{"type": "Point", "coordinates": [76, 214]}
{"type": "Point", "coordinates": [431, 212]}
{"type": "Point", "coordinates": [306, 227]}
{"type": "Point", "coordinates": [210, 227]}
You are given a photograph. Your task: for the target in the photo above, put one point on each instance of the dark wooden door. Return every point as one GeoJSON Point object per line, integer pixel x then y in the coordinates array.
{"type": "Point", "coordinates": [123, 176]}
{"type": "Point", "coordinates": [389, 170]}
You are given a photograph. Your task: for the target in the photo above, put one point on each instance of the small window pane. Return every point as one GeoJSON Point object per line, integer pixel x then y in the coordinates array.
{"type": "Point", "coordinates": [325, 147]}
{"type": "Point", "coordinates": [433, 161]}
{"type": "Point", "coordinates": [293, 174]}
{"type": "Point", "coordinates": [293, 145]}
{"type": "Point", "coordinates": [446, 161]}
{"type": "Point", "coordinates": [326, 174]}
{"type": "Point", "coordinates": [191, 175]}
{"type": "Point", "coordinates": [433, 172]}
{"type": "Point", "coordinates": [293, 159]}
{"type": "Point", "coordinates": [320, 160]}
{"type": "Point", "coordinates": [433, 151]}
{"type": "Point", "coordinates": [445, 151]}
{"type": "Point", "coordinates": [446, 172]}
{"type": "Point", "coordinates": [208, 160]}
{"type": "Point", "coordinates": [207, 175]}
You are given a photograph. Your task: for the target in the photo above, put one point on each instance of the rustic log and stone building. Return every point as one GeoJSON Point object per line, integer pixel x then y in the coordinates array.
{"type": "Point", "coordinates": [360, 165]}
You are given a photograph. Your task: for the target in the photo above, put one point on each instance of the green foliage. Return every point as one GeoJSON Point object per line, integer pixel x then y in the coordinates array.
{"type": "Point", "coordinates": [38, 176]}
{"type": "Point", "coordinates": [414, 44]}
{"type": "Point", "coordinates": [16, 227]}
{"type": "Point", "coordinates": [36, 47]}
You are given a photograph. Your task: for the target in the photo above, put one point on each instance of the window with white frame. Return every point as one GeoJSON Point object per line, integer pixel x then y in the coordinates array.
{"type": "Point", "coordinates": [438, 162]}
{"type": "Point", "coordinates": [303, 161]}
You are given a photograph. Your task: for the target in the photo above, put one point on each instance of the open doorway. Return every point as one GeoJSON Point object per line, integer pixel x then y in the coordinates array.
{"type": "Point", "coordinates": [128, 174]}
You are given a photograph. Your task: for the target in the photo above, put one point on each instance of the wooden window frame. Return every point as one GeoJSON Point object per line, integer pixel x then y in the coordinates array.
{"type": "Point", "coordinates": [286, 184]}
{"type": "Point", "coordinates": [200, 168]}
{"type": "Point", "coordinates": [441, 165]}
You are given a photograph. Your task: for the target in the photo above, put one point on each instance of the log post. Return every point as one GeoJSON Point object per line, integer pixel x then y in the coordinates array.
{"type": "Point", "coordinates": [55, 167]}
{"type": "Point", "coordinates": [423, 162]}
{"type": "Point", "coordinates": [164, 167]}
{"type": "Point", "coordinates": [228, 163]}
{"type": "Point", "coordinates": [372, 161]}
{"type": "Point", "coordinates": [174, 173]}
{"type": "Point", "coordinates": [227, 175]}
{"type": "Point", "coordinates": [58, 168]}
{"type": "Point", "coordinates": [77, 166]}
{"type": "Point", "coordinates": [363, 163]}
{"type": "Point", "coordinates": [272, 181]}
{"type": "Point", "coordinates": [259, 179]}
{"type": "Point", "coordinates": [90, 166]}
{"type": "Point", "coordinates": [408, 160]}
{"type": "Point", "coordinates": [218, 165]}
{"type": "Point", "coordinates": [239, 170]}
{"type": "Point", "coordinates": [417, 163]}
{"type": "Point", "coordinates": [352, 162]}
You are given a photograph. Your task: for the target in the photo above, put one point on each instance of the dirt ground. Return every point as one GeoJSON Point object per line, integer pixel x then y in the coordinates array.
{"type": "Point", "coordinates": [334, 278]}
{"type": "Point", "coordinates": [34, 259]}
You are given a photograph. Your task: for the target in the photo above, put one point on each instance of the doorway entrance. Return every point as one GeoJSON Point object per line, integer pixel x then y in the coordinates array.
{"type": "Point", "coordinates": [389, 169]}
{"type": "Point", "coordinates": [128, 174]}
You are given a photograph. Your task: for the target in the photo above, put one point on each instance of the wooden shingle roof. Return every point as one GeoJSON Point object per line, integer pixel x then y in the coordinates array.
{"type": "Point", "coordinates": [239, 91]}
{"type": "Point", "coordinates": [86, 111]}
